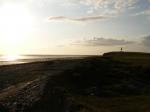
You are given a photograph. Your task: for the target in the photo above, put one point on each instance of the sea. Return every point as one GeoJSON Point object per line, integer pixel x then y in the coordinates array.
{"type": "Point", "coordinates": [9, 60]}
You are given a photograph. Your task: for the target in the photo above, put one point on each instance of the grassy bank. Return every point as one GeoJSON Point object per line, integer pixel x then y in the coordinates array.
{"type": "Point", "coordinates": [111, 83]}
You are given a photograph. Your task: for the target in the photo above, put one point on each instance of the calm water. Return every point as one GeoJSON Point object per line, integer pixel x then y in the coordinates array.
{"type": "Point", "coordinates": [34, 58]}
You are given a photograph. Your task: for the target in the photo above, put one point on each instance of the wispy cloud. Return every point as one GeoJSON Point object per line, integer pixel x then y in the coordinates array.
{"type": "Point", "coordinates": [103, 42]}
{"type": "Point", "coordinates": [145, 12]}
{"type": "Point", "coordinates": [104, 3]}
{"type": "Point", "coordinates": [105, 9]}
{"type": "Point", "coordinates": [146, 41]}
{"type": "Point", "coordinates": [115, 5]}
{"type": "Point", "coordinates": [79, 19]}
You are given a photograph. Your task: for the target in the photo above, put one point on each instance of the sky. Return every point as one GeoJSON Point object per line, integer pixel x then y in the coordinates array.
{"type": "Point", "coordinates": [75, 27]}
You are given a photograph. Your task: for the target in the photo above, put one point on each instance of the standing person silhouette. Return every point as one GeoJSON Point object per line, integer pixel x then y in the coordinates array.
{"type": "Point", "coordinates": [121, 49]}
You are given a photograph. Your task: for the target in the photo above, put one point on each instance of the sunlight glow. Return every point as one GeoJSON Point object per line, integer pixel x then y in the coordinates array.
{"type": "Point", "coordinates": [15, 23]}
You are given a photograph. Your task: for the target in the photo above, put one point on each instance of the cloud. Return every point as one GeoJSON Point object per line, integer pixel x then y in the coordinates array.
{"type": "Point", "coordinates": [146, 41]}
{"type": "Point", "coordinates": [102, 9]}
{"type": "Point", "coordinates": [121, 4]}
{"type": "Point", "coordinates": [103, 42]}
{"type": "Point", "coordinates": [115, 5]}
{"type": "Point", "coordinates": [79, 19]}
{"type": "Point", "coordinates": [118, 4]}
{"type": "Point", "coordinates": [145, 12]}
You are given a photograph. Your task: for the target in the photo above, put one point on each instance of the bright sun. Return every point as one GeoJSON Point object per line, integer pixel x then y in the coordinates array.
{"type": "Point", "coordinates": [15, 23]}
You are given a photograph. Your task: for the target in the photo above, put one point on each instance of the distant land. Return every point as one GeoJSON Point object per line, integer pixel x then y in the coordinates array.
{"type": "Point", "coordinates": [113, 82]}
{"type": "Point", "coordinates": [122, 53]}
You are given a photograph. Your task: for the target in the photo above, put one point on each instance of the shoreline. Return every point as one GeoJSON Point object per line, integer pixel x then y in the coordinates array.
{"type": "Point", "coordinates": [43, 59]}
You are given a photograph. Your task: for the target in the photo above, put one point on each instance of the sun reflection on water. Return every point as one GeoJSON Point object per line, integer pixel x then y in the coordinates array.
{"type": "Point", "coordinates": [11, 57]}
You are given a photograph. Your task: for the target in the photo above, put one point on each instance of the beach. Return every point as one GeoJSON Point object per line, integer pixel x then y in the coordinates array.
{"type": "Point", "coordinates": [24, 83]}
{"type": "Point", "coordinates": [113, 82]}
